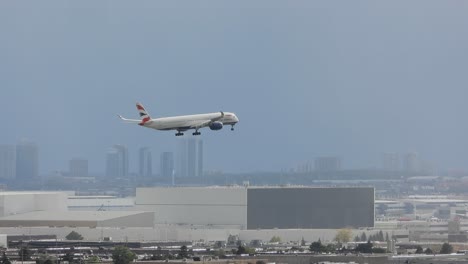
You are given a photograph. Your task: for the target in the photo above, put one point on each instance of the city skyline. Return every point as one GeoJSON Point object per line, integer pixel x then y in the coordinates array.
{"type": "Point", "coordinates": [306, 79]}
{"type": "Point", "coordinates": [132, 162]}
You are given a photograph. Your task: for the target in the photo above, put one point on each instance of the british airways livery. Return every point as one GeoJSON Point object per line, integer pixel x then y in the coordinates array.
{"type": "Point", "coordinates": [215, 121]}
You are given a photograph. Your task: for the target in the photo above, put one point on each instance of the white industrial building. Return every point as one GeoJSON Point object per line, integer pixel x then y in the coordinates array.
{"type": "Point", "coordinates": [186, 213]}
{"type": "Point", "coordinates": [12, 203]}
{"type": "Point", "coordinates": [208, 206]}
{"type": "Point", "coordinates": [292, 207]}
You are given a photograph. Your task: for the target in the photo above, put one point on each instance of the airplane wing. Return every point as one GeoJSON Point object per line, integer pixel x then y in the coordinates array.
{"type": "Point", "coordinates": [132, 121]}
{"type": "Point", "coordinates": [203, 123]}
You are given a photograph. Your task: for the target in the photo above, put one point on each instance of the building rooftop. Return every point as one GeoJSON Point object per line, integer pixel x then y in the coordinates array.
{"type": "Point", "coordinates": [28, 192]}
{"type": "Point", "coordinates": [70, 216]}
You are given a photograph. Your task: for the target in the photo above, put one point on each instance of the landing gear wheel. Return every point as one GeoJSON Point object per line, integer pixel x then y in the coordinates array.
{"type": "Point", "coordinates": [196, 133]}
{"type": "Point", "coordinates": [232, 128]}
{"type": "Point", "coordinates": [179, 134]}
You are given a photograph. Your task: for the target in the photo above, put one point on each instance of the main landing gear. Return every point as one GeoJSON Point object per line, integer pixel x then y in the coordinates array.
{"type": "Point", "coordinates": [196, 133]}
{"type": "Point", "coordinates": [179, 134]}
{"type": "Point", "coordinates": [232, 128]}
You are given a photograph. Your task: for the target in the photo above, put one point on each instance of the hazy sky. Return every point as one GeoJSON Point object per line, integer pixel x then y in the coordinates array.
{"type": "Point", "coordinates": [306, 78]}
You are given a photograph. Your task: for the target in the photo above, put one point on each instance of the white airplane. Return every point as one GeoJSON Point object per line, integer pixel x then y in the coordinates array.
{"type": "Point", "coordinates": [215, 121]}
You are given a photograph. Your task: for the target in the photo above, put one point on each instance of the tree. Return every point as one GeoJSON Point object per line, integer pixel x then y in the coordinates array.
{"type": "Point", "coordinates": [183, 253]}
{"type": "Point", "coordinates": [93, 260]}
{"type": "Point", "coordinates": [357, 238]}
{"type": "Point", "coordinates": [428, 251]}
{"type": "Point", "coordinates": [419, 250]}
{"type": "Point", "coordinates": [364, 248]}
{"type": "Point", "coordinates": [74, 236]}
{"type": "Point", "coordinates": [386, 237]}
{"type": "Point", "coordinates": [275, 239]}
{"type": "Point", "coordinates": [5, 259]}
{"type": "Point", "coordinates": [232, 239]}
{"type": "Point", "coordinates": [303, 242]}
{"type": "Point", "coordinates": [317, 247]}
{"type": "Point", "coordinates": [241, 250]}
{"type": "Point", "coordinates": [24, 253]}
{"type": "Point", "coordinates": [343, 235]}
{"type": "Point", "coordinates": [381, 236]}
{"type": "Point", "coordinates": [446, 248]}
{"type": "Point", "coordinates": [45, 259]}
{"type": "Point", "coordinates": [122, 255]}
{"type": "Point", "coordinates": [363, 236]}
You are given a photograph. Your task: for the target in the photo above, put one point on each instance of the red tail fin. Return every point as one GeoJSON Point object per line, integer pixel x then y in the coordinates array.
{"type": "Point", "coordinates": [145, 117]}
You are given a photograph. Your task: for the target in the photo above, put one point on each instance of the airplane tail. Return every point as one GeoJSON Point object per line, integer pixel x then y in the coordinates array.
{"type": "Point", "coordinates": [145, 117]}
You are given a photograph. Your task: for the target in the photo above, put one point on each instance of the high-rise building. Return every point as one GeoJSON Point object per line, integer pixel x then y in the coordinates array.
{"type": "Point", "coordinates": [411, 162]}
{"type": "Point", "coordinates": [112, 163]}
{"type": "Point", "coordinates": [167, 164]}
{"type": "Point", "coordinates": [190, 157]}
{"type": "Point", "coordinates": [145, 162]}
{"type": "Point", "coordinates": [117, 162]}
{"type": "Point", "coordinates": [391, 161]}
{"type": "Point", "coordinates": [78, 168]}
{"type": "Point", "coordinates": [327, 164]}
{"type": "Point", "coordinates": [7, 162]}
{"type": "Point", "coordinates": [27, 160]}
{"type": "Point", "coordinates": [304, 167]}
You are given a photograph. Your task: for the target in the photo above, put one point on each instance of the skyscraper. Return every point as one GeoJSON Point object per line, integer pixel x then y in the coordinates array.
{"type": "Point", "coordinates": [327, 164]}
{"type": "Point", "coordinates": [411, 162]}
{"type": "Point", "coordinates": [78, 168]}
{"type": "Point", "coordinates": [117, 162]}
{"type": "Point", "coordinates": [27, 160]}
{"type": "Point", "coordinates": [190, 157]}
{"type": "Point", "coordinates": [391, 161]}
{"type": "Point", "coordinates": [7, 162]}
{"type": "Point", "coordinates": [145, 162]}
{"type": "Point", "coordinates": [167, 164]}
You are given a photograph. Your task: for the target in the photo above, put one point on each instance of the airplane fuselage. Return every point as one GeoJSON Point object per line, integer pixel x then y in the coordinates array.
{"type": "Point", "coordinates": [186, 122]}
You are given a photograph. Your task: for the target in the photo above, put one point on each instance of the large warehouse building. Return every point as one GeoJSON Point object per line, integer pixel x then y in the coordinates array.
{"type": "Point", "coordinates": [260, 207]}
{"type": "Point", "coordinates": [12, 203]}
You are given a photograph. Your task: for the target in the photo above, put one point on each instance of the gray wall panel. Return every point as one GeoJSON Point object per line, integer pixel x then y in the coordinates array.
{"type": "Point", "coordinates": [310, 207]}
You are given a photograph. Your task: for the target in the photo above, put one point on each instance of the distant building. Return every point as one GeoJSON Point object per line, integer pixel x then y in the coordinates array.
{"type": "Point", "coordinates": [145, 162]}
{"type": "Point", "coordinates": [167, 164]}
{"type": "Point", "coordinates": [78, 168]}
{"type": "Point", "coordinates": [411, 162]}
{"type": "Point", "coordinates": [7, 162]}
{"type": "Point", "coordinates": [27, 160]}
{"type": "Point", "coordinates": [391, 161]}
{"type": "Point", "coordinates": [117, 162]}
{"type": "Point", "coordinates": [305, 167]}
{"type": "Point", "coordinates": [327, 164]}
{"type": "Point", "coordinates": [190, 157]}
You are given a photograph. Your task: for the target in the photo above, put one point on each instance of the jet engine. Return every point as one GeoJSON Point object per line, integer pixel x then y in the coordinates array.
{"type": "Point", "coordinates": [216, 125]}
